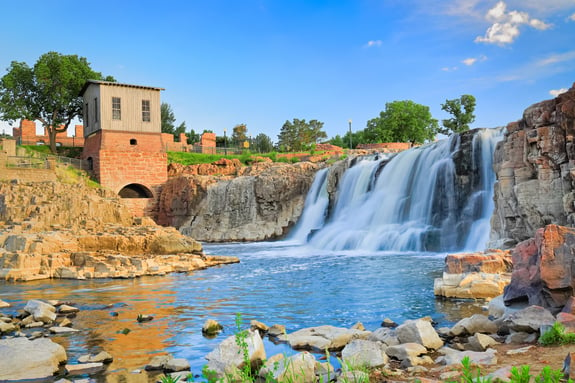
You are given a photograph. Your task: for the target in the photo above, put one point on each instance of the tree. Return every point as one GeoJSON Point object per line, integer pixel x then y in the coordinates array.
{"type": "Point", "coordinates": [300, 135]}
{"type": "Point", "coordinates": [239, 134]}
{"type": "Point", "coordinates": [48, 92]}
{"type": "Point", "coordinates": [167, 117]}
{"type": "Point", "coordinates": [461, 118]}
{"type": "Point", "coordinates": [263, 143]}
{"type": "Point", "coordinates": [402, 121]}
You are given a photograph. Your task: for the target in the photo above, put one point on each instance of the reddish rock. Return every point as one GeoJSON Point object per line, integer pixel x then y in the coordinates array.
{"type": "Point", "coordinates": [492, 261]}
{"type": "Point", "coordinates": [542, 273]}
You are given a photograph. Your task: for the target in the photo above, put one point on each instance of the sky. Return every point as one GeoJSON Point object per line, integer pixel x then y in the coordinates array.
{"type": "Point", "coordinates": [264, 62]}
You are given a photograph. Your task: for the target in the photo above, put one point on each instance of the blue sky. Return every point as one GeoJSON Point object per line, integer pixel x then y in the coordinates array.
{"type": "Point", "coordinates": [262, 62]}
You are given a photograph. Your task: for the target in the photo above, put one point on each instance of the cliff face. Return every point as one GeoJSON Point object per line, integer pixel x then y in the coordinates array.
{"type": "Point", "coordinates": [535, 167]}
{"type": "Point", "coordinates": [260, 203]}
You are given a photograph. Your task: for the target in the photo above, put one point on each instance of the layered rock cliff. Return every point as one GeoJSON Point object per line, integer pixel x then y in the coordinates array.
{"type": "Point", "coordinates": [254, 203]}
{"type": "Point", "coordinates": [535, 167]}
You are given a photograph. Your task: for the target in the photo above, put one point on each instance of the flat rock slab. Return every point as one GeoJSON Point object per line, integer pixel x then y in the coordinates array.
{"type": "Point", "coordinates": [29, 359]}
{"type": "Point", "coordinates": [323, 337]}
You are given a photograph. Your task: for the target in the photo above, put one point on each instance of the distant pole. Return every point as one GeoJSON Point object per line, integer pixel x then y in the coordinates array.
{"type": "Point", "coordinates": [225, 143]}
{"type": "Point", "coordinates": [349, 133]}
{"type": "Point", "coordinates": [73, 137]}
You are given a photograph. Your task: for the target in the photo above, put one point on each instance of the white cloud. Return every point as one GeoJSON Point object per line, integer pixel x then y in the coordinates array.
{"type": "Point", "coordinates": [557, 92]}
{"type": "Point", "coordinates": [557, 58]}
{"type": "Point", "coordinates": [472, 60]}
{"type": "Point", "coordinates": [448, 69]}
{"type": "Point", "coordinates": [374, 43]}
{"type": "Point", "coordinates": [505, 25]}
{"type": "Point", "coordinates": [572, 17]}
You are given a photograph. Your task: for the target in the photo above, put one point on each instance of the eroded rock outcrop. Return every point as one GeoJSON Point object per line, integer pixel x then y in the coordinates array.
{"type": "Point", "coordinates": [542, 269]}
{"type": "Point", "coordinates": [260, 203]}
{"type": "Point", "coordinates": [535, 168]}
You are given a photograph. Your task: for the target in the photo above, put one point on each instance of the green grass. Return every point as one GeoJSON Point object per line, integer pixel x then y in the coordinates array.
{"type": "Point", "coordinates": [556, 334]}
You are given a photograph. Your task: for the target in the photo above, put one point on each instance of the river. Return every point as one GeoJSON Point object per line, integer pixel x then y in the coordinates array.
{"type": "Point", "coordinates": [275, 282]}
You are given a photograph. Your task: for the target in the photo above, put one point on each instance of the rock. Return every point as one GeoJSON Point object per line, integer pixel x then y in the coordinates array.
{"type": "Point", "coordinates": [66, 309]}
{"type": "Point", "coordinates": [296, 368]}
{"type": "Point", "coordinates": [227, 357]}
{"type": "Point", "coordinates": [211, 328]}
{"type": "Point", "coordinates": [101, 357]}
{"type": "Point", "coordinates": [481, 342]}
{"type": "Point", "coordinates": [502, 374]}
{"type": "Point", "coordinates": [65, 322]}
{"type": "Point", "coordinates": [521, 350]}
{"type": "Point", "coordinates": [4, 304]}
{"type": "Point", "coordinates": [323, 337]}
{"type": "Point", "coordinates": [534, 168]}
{"type": "Point", "coordinates": [419, 331]}
{"type": "Point", "coordinates": [41, 311]}
{"type": "Point", "coordinates": [354, 376]}
{"type": "Point", "coordinates": [452, 357]}
{"type": "Point", "coordinates": [158, 362]}
{"type": "Point", "coordinates": [360, 352]}
{"type": "Point", "coordinates": [498, 309]}
{"type": "Point", "coordinates": [542, 269]}
{"type": "Point", "coordinates": [477, 323]}
{"type": "Point", "coordinates": [358, 326]}
{"type": "Point", "coordinates": [530, 319]}
{"type": "Point", "coordinates": [7, 327]}
{"type": "Point", "coordinates": [30, 359]}
{"type": "Point", "coordinates": [386, 335]}
{"type": "Point", "coordinates": [261, 327]}
{"type": "Point", "coordinates": [177, 364]}
{"type": "Point", "coordinates": [406, 350]}
{"type": "Point", "coordinates": [144, 318]}
{"type": "Point", "coordinates": [62, 330]}
{"type": "Point", "coordinates": [388, 323]}
{"type": "Point", "coordinates": [84, 368]}
{"type": "Point", "coordinates": [260, 203]}
{"type": "Point", "coordinates": [277, 330]}
{"type": "Point", "coordinates": [519, 337]}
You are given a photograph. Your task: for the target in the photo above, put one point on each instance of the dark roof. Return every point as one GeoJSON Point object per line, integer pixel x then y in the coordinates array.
{"type": "Point", "coordinates": [89, 82]}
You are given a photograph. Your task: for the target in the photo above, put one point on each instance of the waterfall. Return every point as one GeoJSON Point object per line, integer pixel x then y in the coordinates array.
{"type": "Point", "coordinates": [437, 197]}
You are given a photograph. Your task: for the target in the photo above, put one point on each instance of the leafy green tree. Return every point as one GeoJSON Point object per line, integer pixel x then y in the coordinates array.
{"type": "Point", "coordinates": [263, 143]}
{"type": "Point", "coordinates": [337, 141]}
{"type": "Point", "coordinates": [239, 134]}
{"type": "Point", "coordinates": [461, 109]}
{"type": "Point", "coordinates": [48, 92]}
{"type": "Point", "coordinates": [300, 135]}
{"type": "Point", "coordinates": [402, 121]}
{"type": "Point", "coordinates": [168, 118]}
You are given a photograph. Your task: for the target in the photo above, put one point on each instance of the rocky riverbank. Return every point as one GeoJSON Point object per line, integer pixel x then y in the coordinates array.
{"type": "Point", "coordinates": [34, 342]}
{"type": "Point", "coordinates": [69, 230]}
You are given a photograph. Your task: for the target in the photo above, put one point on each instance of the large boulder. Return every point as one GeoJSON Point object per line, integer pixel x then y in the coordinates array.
{"type": "Point", "coordinates": [42, 311]}
{"type": "Point", "coordinates": [29, 359]}
{"type": "Point", "coordinates": [542, 272]}
{"type": "Point", "coordinates": [530, 319]}
{"type": "Point", "coordinates": [419, 331]}
{"type": "Point", "coordinates": [228, 357]}
{"type": "Point", "coordinates": [474, 324]}
{"type": "Point", "coordinates": [296, 368]}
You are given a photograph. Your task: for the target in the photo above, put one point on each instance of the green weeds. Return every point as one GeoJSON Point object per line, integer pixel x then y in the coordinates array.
{"type": "Point", "coordinates": [556, 334]}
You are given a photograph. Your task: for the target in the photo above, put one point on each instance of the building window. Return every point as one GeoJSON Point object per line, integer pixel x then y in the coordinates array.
{"type": "Point", "coordinates": [96, 109]}
{"type": "Point", "coordinates": [87, 114]}
{"type": "Point", "coordinates": [133, 141]}
{"type": "Point", "coordinates": [146, 110]}
{"type": "Point", "coordinates": [116, 108]}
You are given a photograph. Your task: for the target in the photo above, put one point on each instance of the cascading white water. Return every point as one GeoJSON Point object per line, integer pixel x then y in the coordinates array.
{"type": "Point", "coordinates": [410, 203]}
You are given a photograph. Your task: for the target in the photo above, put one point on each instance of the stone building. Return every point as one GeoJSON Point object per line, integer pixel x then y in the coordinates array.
{"type": "Point", "coordinates": [123, 140]}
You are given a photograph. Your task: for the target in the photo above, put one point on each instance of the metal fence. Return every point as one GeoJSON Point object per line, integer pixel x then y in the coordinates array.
{"type": "Point", "coordinates": [41, 161]}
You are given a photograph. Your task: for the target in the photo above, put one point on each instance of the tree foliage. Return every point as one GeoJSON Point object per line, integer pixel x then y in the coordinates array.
{"type": "Point", "coordinates": [168, 119]}
{"type": "Point", "coordinates": [401, 121]}
{"type": "Point", "coordinates": [263, 143]}
{"type": "Point", "coordinates": [239, 134]}
{"type": "Point", "coordinates": [461, 109]}
{"type": "Point", "coordinates": [300, 135]}
{"type": "Point", "coordinates": [48, 92]}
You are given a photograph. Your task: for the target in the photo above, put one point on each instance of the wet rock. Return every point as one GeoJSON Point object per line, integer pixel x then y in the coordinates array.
{"type": "Point", "coordinates": [41, 311]}
{"type": "Point", "coordinates": [277, 330]}
{"type": "Point", "coordinates": [101, 357]}
{"type": "Point", "coordinates": [30, 359]}
{"type": "Point", "coordinates": [7, 327]}
{"type": "Point", "coordinates": [261, 327]}
{"type": "Point", "coordinates": [84, 368]}
{"type": "Point", "coordinates": [62, 330]}
{"type": "Point", "coordinates": [4, 304]}
{"type": "Point", "coordinates": [66, 309]}
{"type": "Point", "coordinates": [419, 331]}
{"type": "Point", "coordinates": [158, 362]}
{"type": "Point", "coordinates": [360, 352]}
{"type": "Point", "coordinates": [388, 323]}
{"type": "Point", "coordinates": [177, 364]}
{"type": "Point", "coordinates": [211, 327]}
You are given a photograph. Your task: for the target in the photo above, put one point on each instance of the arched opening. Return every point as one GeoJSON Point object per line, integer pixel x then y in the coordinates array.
{"type": "Point", "coordinates": [135, 191]}
{"type": "Point", "coordinates": [133, 141]}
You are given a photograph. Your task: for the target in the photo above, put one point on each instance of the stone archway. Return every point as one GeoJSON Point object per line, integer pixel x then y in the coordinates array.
{"type": "Point", "coordinates": [135, 191]}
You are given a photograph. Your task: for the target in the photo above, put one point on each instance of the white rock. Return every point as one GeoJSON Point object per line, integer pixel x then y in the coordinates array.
{"type": "Point", "coordinates": [41, 311]}
{"type": "Point", "coordinates": [4, 304]}
{"type": "Point", "coordinates": [65, 309]}
{"type": "Point", "coordinates": [84, 368]}
{"type": "Point", "coordinates": [227, 357]}
{"type": "Point", "coordinates": [324, 337]}
{"type": "Point", "coordinates": [62, 330]}
{"type": "Point", "coordinates": [177, 364]}
{"type": "Point", "coordinates": [360, 352]}
{"type": "Point", "coordinates": [29, 359]}
{"type": "Point", "coordinates": [296, 368]}
{"type": "Point", "coordinates": [406, 351]}
{"type": "Point", "coordinates": [419, 331]}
